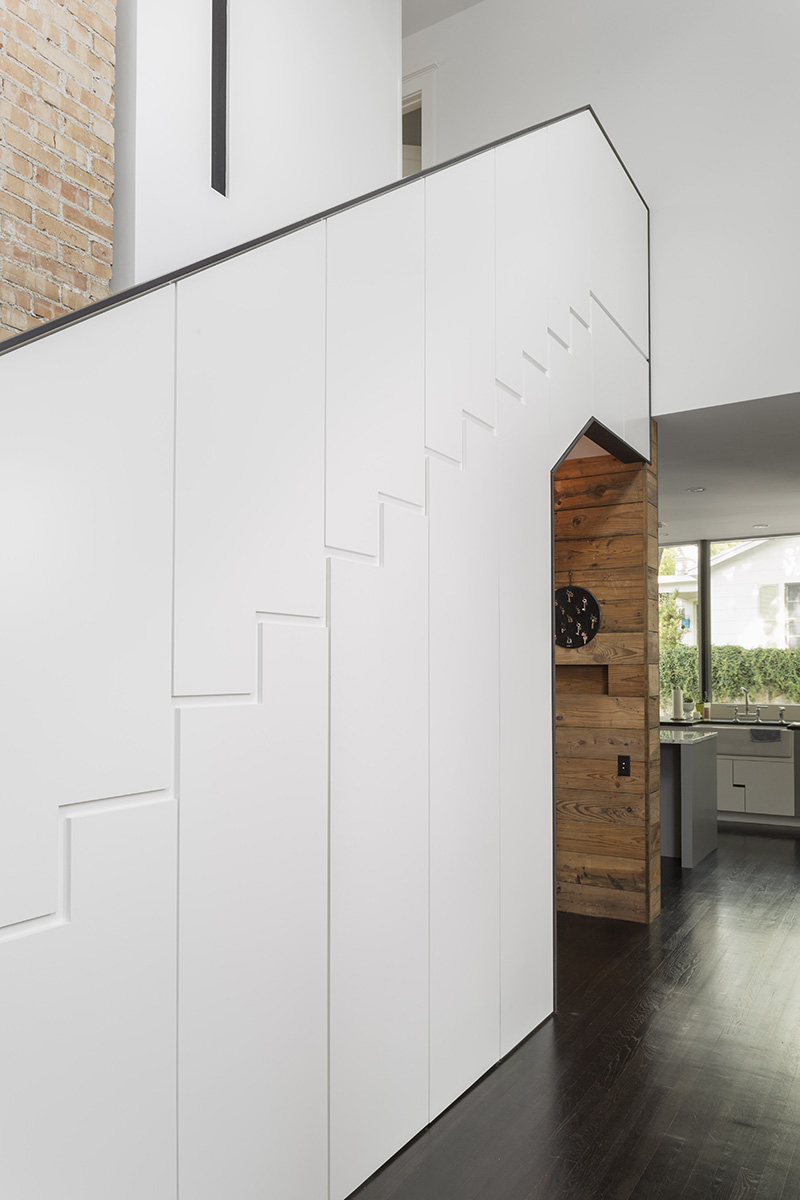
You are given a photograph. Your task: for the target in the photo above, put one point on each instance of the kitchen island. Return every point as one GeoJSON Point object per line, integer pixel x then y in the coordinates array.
{"type": "Point", "coordinates": [688, 794]}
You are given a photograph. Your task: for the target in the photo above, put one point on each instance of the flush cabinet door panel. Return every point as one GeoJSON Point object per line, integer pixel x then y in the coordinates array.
{"type": "Point", "coordinates": [768, 786]}
{"type": "Point", "coordinates": [730, 798]}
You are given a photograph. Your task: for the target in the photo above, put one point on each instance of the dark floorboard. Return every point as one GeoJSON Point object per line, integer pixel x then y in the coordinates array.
{"type": "Point", "coordinates": [671, 1070]}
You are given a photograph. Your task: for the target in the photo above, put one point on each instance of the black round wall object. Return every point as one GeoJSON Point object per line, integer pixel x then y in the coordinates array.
{"type": "Point", "coordinates": [577, 617]}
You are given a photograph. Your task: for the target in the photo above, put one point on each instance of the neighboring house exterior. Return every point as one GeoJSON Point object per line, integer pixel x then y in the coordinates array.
{"type": "Point", "coordinates": [755, 594]}
{"type": "Point", "coordinates": [56, 158]}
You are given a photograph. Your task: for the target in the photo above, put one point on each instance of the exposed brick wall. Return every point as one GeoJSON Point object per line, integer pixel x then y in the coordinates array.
{"type": "Point", "coordinates": [56, 157]}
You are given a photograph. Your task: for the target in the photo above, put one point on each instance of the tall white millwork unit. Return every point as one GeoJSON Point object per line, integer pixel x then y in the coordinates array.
{"type": "Point", "coordinates": [277, 853]}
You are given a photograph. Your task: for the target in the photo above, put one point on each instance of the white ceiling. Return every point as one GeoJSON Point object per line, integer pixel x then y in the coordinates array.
{"type": "Point", "coordinates": [746, 456]}
{"type": "Point", "coordinates": [419, 14]}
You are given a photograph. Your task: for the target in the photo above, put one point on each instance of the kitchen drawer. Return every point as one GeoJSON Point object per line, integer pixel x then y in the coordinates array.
{"type": "Point", "coordinates": [768, 786]}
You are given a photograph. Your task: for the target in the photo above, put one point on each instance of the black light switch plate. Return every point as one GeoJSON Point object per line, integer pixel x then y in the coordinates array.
{"type": "Point", "coordinates": [624, 765]}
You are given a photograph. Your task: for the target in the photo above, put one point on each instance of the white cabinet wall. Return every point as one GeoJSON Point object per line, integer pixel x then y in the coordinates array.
{"type": "Point", "coordinates": [344, 569]}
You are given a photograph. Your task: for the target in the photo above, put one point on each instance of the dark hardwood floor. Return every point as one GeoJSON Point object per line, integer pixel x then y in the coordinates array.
{"type": "Point", "coordinates": [671, 1070]}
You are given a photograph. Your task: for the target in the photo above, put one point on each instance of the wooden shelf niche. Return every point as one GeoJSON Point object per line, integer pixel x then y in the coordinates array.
{"type": "Point", "coordinates": [608, 831]}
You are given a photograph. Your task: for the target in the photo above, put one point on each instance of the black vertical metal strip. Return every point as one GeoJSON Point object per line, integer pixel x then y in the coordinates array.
{"type": "Point", "coordinates": [704, 612]}
{"type": "Point", "coordinates": [219, 96]}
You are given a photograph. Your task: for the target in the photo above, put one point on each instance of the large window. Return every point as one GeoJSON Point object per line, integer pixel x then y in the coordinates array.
{"type": "Point", "coordinates": [755, 620]}
{"type": "Point", "coordinates": [793, 616]}
{"type": "Point", "coordinates": [729, 617]}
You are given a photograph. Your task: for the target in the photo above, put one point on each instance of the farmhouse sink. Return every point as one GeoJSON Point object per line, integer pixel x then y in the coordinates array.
{"type": "Point", "coordinates": [752, 740]}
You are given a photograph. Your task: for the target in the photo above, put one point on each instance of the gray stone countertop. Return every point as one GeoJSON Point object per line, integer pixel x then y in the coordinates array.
{"type": "Point", "coordinates": [684, 737]}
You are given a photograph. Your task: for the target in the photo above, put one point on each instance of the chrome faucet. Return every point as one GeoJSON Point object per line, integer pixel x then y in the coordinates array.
{"type": "Point", "coordinates": [746, 695]}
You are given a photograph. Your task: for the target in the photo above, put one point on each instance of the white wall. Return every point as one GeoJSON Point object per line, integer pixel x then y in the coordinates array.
{"type": "Point", "coordinates": [701, 101]}
{"type": "Point", "coordinates": [313, 120]}
{"type": "Point", "coordinates": [320, 630]}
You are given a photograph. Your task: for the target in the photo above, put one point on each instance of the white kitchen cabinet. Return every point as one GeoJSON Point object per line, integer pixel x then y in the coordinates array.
{"type": "Point", "coordinates": [756, 785]}
{"type": "Point", "coordinates": [730, 798]}
{"type": "Point", "coordinates": [768, 787]}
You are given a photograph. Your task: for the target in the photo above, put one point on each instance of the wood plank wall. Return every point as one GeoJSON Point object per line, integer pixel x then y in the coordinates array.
{"type": "Point", "coordinates": [608, 831]}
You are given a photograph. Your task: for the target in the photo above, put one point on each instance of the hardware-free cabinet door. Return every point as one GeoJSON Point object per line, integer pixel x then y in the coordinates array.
{"type": "Point", "coordinates": [730, 798]}
{"type": "Point", "coordinates": [768, 786]}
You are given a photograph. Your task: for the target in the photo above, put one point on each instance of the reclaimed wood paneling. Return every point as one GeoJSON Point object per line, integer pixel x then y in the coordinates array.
{"type": "Point", "coordinates": [653, 675]}
{"type": "Point", "coordinates": [601, 870]}
{"type": "Point", "coordinates": [610, 586]}
{"type": "Point", "coordinates": [629, 681]}
{"type": "Point", "coordinates": [601, 743]}
{"type": "Point", "coordinates": [622, 841]}
{"type": "Point", "coordinates": [623, 551]}
{"type": "Point", "coordinates": [606, 648]}
{"type": "Point", "coordinates": [621, 520]}
{"type": "Point", "coordinates": [598, 490]}
{"type": "Point", "coordinates": [609, 808]}
{"type": "Point", "coordinates": [600, 774]}
{"type": "Point", "coordinates": [604, 712]}
{"type": "Point", "coordinates": [608, 830]}
{"type": "Point", "coordinates": [591, 680]}
{"type": "Point", "coordinates": [604, 902]}
{"type": "Point", "coordinates": [600, 466]}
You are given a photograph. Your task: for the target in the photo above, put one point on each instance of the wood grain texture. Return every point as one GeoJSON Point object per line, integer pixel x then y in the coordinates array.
{"type": "Point", "coordinates": [602, 902]}
{"type": "Point", "coordinates": [619, 520]}
{"type": "Point", "coordinates": [610, 585]}
{"type": "Point", "coordinates": [623, 616]}
{"type": "Point", "coordinates": [652, 552]}
{"type": "Point", "coordinates": [652, 585]}
{"type": "Point", "coordinates": [598, 490]}
{"type": "Point", "coordinates": [610, 712]}
{"type": "Point", "coordinates": [601, 870]}
{"type": "Point", "coordinates": [629, 681]}
{"type": "Point", "coordinates": [600, 552]}
{"type": "Point", "coordinates": [600, 774]}
{"type": "Point", "coordinates": [623, 841]}
{"type": "Point", "coordinates": [591, 680]}
{"type": "Point", "coordinates": [598, 466]}
{"type": "Point", "coordinates": [601, 743]}
{"type": "Point", "coordinates": [653, 678]}
{"type": "Point", "coordinates": [652, 488]}
{"type": "Point", "coordinates": [606, 648]}
{"type": "Point", "coordinates": [575, 804]}
{"type": "Point", "coordinates": [651, 513]}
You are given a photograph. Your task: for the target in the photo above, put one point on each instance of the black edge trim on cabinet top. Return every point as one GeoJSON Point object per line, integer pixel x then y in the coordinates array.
{"type": "Point", "coordinates": [607, 440]}
{"type": "Point", "coordinates": [154, 285]}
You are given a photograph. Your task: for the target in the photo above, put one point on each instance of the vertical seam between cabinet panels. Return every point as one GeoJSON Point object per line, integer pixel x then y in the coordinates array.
{"type": "Point", "coordinates": [174, 474]}
{"type": "Point", "coordinates": [499, 643]}
{"type": "Point", "coordinates": [329, 838]}
{"type": "Point", "coordinates": [428, 589]}
{"type": "Point", "coordinates": [176, 739]}
{"type": "Point", "coordinates": [325, 385]}
{"type": "Point", "coordinates": [328, 571]}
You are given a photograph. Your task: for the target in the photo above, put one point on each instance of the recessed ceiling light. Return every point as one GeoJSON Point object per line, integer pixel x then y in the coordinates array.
{"type": "Point", "coordinates": [695, 489]}
{"type": "Point", "coordinates": [761, 527]}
